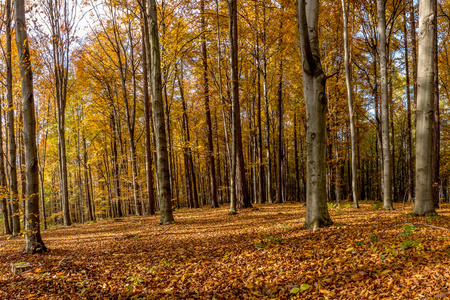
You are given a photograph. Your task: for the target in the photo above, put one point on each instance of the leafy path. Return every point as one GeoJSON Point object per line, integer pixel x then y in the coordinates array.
{"type": "Point", "coordinates": [367, 254]}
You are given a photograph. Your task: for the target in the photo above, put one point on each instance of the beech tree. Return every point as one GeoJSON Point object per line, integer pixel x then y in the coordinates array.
{"type": "Point", "coordinates": [385, 142]}
{"type": "Point", "coordinates": [165, 202]}
{"type": "Point", "coordinates": [33, 240]}
{"type": "Point", "coordinates": [348, 81]}
{"type": "Point", "coordinates": [316, 102]}
{"type": "Point", "coordinates": [424, 204]}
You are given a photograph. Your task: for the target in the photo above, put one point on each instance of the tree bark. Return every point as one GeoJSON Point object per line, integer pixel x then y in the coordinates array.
{"type": "Point", "coordinates": [3, 201]}
{"type": "Point", "coordinates": [147, 134]}
{"type": "Point", "coordinates": [386, 148]}
{"type": "Point", "coordinates": [14, 193]}
{"type": "Point", "coordinates": [316, 104]}
{"type": "Point", "coordinates": [33, 240]}
{"type": "Point", "coordinates": [408, 104]}
{"type": "Point", "coordinates": [348, 81]}
{"type": "Point", "coordinates": [210, 154]}
{"type": "Point", "coordinates": [425, 97]}
{"type": "Point", "coordinates": [165, 202]}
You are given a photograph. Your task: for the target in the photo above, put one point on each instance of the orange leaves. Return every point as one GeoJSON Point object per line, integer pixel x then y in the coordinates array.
{"type": "Point", "coordinates": [209, 254]}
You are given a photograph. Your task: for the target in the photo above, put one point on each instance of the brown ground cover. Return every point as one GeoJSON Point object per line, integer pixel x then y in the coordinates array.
{"type": "Point", "coordinates": [264, 253]}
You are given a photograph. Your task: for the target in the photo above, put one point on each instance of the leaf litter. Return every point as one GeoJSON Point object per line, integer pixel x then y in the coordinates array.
{"type": "Point", "coordinates": [207, 254]}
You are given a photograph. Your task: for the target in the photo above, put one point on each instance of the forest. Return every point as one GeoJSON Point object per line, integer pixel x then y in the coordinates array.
{"type": "Point", "coordinates": [259, 118]}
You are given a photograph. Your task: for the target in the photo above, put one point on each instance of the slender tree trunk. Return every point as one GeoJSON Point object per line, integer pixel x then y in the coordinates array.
{"type": "Point", "coordinates": [408, 104]}
{"type": "Point", "coordinates": [33, 240]}
{"type": "Point", "coordinates": [212, 169]}
{"type": "Point", "coordinates": [348, 80]}
{"type": "Point", "coordinates": [12, 138]}
{"type": "Point", "coordinates": [279, 172]}
{"type": "Point", "coordinates": [314, 92]}
{"type": "Point", "coordinates": [436, 118]}
{"type": "Point", "coordinates": [425, 94]}
{"type": "Point", "coordinates": [147, 134]}
{"type": "Point", "coordinates": [3, 202]}
{"type": "Point", "coordinates": [165, 202]}
{"type": "Point", "coordinates": [386, 148]}
{"type": "Point", "coordinates": [413, 48]}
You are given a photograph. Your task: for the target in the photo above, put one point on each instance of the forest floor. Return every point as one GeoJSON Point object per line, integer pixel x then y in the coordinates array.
{"type": "Point", "coordinates": [367, 254]}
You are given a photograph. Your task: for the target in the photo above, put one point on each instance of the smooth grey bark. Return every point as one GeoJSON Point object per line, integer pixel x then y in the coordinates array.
{"type": "Point", "coordinates": [147, 134]}
{"type": "Point", "coordinates": [165, 202]}
{"type": "Point", "coordinates": [348, 81]}
{"type": "Point", "coordinates": [316, 103]}
{"type": "Point", "coordinates": [13, 185]}
{"type": "Point", "coordinates": [33, 240]}
{"type": "Point", "coordinates": [386, 147]}
{"type": "Point", "coordinates": [424, 115]}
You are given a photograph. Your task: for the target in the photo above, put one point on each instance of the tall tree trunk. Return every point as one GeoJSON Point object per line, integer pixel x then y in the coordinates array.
{"type": "Point", "coordinates": [261, 176]}
{"type": "Point", "coordinates": [192, 180]}
{"type": "Point", "coordinates": [266, 100]}
{"type": "Point", "coordinates": [424, 130]}
{"type": "Point", "coordinates": [242, 195]}
{"type": "Point", "coordinates": [386, 148]}
{"type": "Point", "coordinates": [408, 104]}
{"type": "Point", "coordinates": [436, 119]}
{"type": "Point", "coordinates": [147, 134]}
{"type": "Point", "coordinates": [14, 198]}
{"type": "Point", "coordinates": [33, 240]}
{"type": "Point", "coordinates": [413, 48]}
{"type": "Point", "coordinates": [212, 169]}
{"type": "Point", "coordinates": [165, 202]}
{"type": "Point", "coordinates": [316, 136]}
{"type": "Point", "coordinates": [348, 80]}
{"type": "Point", "coordinates": [279, 172]}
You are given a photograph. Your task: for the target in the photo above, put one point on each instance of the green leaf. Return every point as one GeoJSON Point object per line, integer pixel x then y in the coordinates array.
{"type": "Point", "coordinates": [302, 288]}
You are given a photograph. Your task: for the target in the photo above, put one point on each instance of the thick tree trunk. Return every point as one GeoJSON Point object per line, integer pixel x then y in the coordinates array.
{"type": "Point", "coordinates": [242, 195]}
{"type": "Point", "coordinates": [424, 129]}
{"type": "Point", "coordinates": [165, 202]}
{"type": "Point", "coordinates": [348, 80]}
{"type": "Point", "coordinates": [33, 240]}
{"type": "Point", "coordinates": [386, 148]}
{"type": "Point", "coordinates": [316, 103]}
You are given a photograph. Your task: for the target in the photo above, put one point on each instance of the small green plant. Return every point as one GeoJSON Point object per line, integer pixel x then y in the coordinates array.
{"type": "Point", "coordinates": [332, 205]}
{"type": "Point", "coordinates": [347, 205]}
{"type": "Point", "coordinates": [259, 245]}
{"type": "Point", "coordinates": [432, 218]}
{"type": "Point", "coordinates": [287, 226]}
{"type": "Point", "coordinates": [407, 230]}
{"type": "Point", "coordinates": [408, 243]}
{"type": "Point", "coordinates": [274, 239]}
{"type": "Point", "coordinates": [376, 206]}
